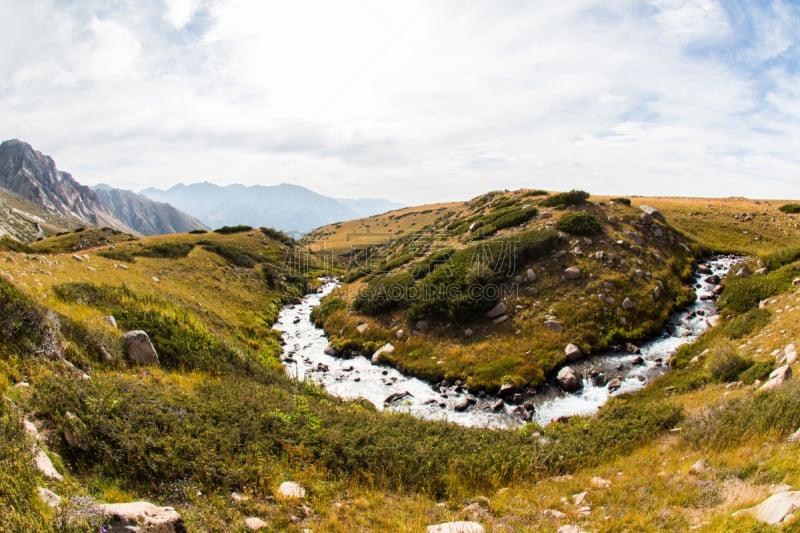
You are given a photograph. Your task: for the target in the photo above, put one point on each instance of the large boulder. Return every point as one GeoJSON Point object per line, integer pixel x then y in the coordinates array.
{"type": "Point", "coordinates": [774, 509]}
{"type": "Point", "coordinates": [456, 527]}
{"type": "Point", "coordinates": [137, 345]}
{"type": "Point", "coordinates": [568, 379]}
{"type": "Point", "coordinates": [141, 516]}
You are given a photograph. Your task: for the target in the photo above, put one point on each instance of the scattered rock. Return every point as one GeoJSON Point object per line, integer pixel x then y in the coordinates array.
{"type": "Point", "coordinates": [289, 489]}
{"type": "Point", "coordinates": [743, 272]}
{"type": "Point", "coordinates": [110, 320]}
{"type": "Point", "coordinates": [627, 304]}
{"type": "Point", "coordinates": [795, 437]}
{"type": "Point", "coordinates": [774, 509]}
{"type": "Point", "coordinates": [554, 514]}
{"type": "Point", "coordinates": [422, 325]}
{"type": "Point", "coordinates": [530, 275]}
{"type": "Point", "coordinates": [600, 483]}
{"type": "Point", "coordinates": [468, 332]}
{"type": "Point", "coordinates": [614, 384]}
{"type": "Point", "coordinates": [396, 397]}
{"type": "Point", "coordinates": [631, 348]}
{"type": "Point", "coordinates": [572, 273]}
{"type": "Point", "coordinates": [500, 319]}
{"type": "Point", "coordinates": [254, 524]}
{"type": "Point", "coordinates": [78, 258]}
{"type": "Point", "coordinates": [139, 348]}
{"type": "Point", "coordinates": [49, 498]}
{"type": "Point", "coordinates": [330, 350]}
{"type": "Point", "coordinates": [44, 465]}
{"type": "Point", "coordinates": [572, 352]}
{"type": "Point", "coordinates": [141, 516]}
{"type": "Point", "coordinates": [568, 379]}
{"type": "Point", "coordinates": [713, 279]}
{"type": "Point", "coordinates": [579, 498]}
{"type": "Point", "coordinates": [778, 377]}
{"type": "Point", "coordinates": [361, 328]}
{"type": "Point", "coordinates": [653, 212]}
{"type": "Point", "coordinates": [385, 349]}
{"type": "Point", "coordinates": [699, 468]}
{"type": "Point", "coordinates": [462, 404]}
{"type": "Point", "coordinates": [239, 498]}
{"type": "Point", "coordinates": [713, 321]}
{"type": "Point", "coordinates": [638, 360]}
{"type": "Point", "coordinates": [105, 357]}
{"type": "Point", "coordinates": [553, 325]}
{"type": "Point", "coordinates": [74, 431]}
{"type": "Point", "coordinates": [400, 334]}
{"type": "Point", "coordinates": [506, 390]}
{"type": "Point", "coordinates": [498, 406]}
{"type": "Point", "coordinates": [545, 215]}
{"type": "Point", "coordinates": [570, 528]}
{"type": "Point", "coordinates": [497, 310]}
{"type": "Point", "coordinates": [456, 527]}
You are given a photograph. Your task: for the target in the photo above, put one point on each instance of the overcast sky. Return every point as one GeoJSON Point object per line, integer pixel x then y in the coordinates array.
{"type": "Point", "coordinates": [411, 100]}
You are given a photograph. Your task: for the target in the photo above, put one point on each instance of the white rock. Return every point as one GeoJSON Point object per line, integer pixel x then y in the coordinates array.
{"type": "Point", "coordinates": [254, 524]}
{"type": "Point", "coordinates": [141, 516]}
{"type": "Point", "coordinates": [553, 325]}
{"type": "Point", "coordinates": [774, 509]}
{"type": "Point", "coordinates": [795, 437]}
{"type": "Point", "coordinates": [530, 275]}
{"type": "Point", "coordinates": [568, 379]}
{"type": "Point", "coordinates": [386, 348]}
{"type": "Point", "coordinates": [289, 489]}
{"type": "Point", "coordinates": [572, 273]}
{"type": "Point", "coordinates": [778, 377]}
{"type": "Point", "coordinates": [362, 327]}
{"type": "Point", "coordinates": [554, 514]}
{"type": "Point", "coordinates": [238, 498]}
{"type": "Point", "coordinates": [400, 334]}
{"type": "Point", "coordinates": [49, 497]}
{"type": "Point", "coordinates": [627, 303]}
{"type": "Point", "coordinates": [572, 352]}
{"type": "Point", "coordinates": [570, 528]}
{"type": "Point", "coordinates": [456, 527]}
{"type": "Point", "coordinates": [110, 320]}
{"type": "Point", "coordinates": [579, 498]}
{"type": "Point", "coordinates": [698, 468]}
{"type": "Point", "coordinates": [601, 483]}
{"type": "Point", "coordinates": [44, 465]}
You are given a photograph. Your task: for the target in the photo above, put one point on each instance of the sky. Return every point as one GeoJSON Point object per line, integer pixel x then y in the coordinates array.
{"type": "Point", "coordinates": [416, 101]}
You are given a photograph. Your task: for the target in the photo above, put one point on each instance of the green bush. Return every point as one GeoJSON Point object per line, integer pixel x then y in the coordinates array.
{"type": "Point", "coordinates": [624, 201]}
{"type": "Point", "coordinates": [565, 199]}
{"type": "Point", "coordinates": [23, 323]}
{"type": "Point", "coordinates": [198, 231]}
{"type": "Point", "coordinates": [166, 250]}
{"type": "Point", "coordinates": [234, 255]}
{"type": "Point", "coordinates": [741, 294]}
{"type": "Point", "coordinates": [774, 412]}
{"type": "Point", "coordinates": [579, 223]}
{"type": "Point", "coordinates": [118, 255]}
{"type": "Point", "coordinates": [384, 294]}
{"type": "Point", "coordinates": [327, 307]}
{"type": "Point", "coordinates": [279, 236]}
{"type": "Point", "coordinates": [784, 256]}
{"type": "Point", "coordinates": [227, 230]}
{"type": "Point", "coordinates": [742, 325]}
{"type": "Point", "coordinates": [790, 208]}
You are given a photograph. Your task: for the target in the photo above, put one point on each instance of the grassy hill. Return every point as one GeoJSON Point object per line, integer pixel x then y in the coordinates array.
{"type": "Point", "coordinates": [218, 415]}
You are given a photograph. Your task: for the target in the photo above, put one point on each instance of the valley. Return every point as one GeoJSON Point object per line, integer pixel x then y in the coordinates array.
{"type": "Point", "coordinates": [217, 427]}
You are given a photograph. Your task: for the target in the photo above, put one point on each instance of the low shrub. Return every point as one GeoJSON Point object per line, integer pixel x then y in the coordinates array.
{"type": "Point", "coordinates": [166, 250]}
{"type": "Point", "coordinates": [623, 201]}
{"type": "Point", "coordinates": [579, 223]}
{"type": "Point", "coordinates": [227, 230]}
{"type": "Point", "coordinates": [793, 208]}
{"type": "Point", "coordinates": [12, 245]}
{"type": "Point", "coordinates": [565, 199]}
{"type": "Point", "coordinates": [724, 362]}
{"type": "Point", "coordinates": [198, 231]}
{"type": "Point", "coordinates": [234, 255]}
{"type": "Point", "coordinates": [278, 235]}
{"type": "Point", "coordinates": [118, 255]}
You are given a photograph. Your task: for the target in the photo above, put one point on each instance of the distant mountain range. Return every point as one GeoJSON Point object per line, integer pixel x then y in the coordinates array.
{"type": "Point", "coordinates": [37, 199]}
{"type": "Point", "coordinates": [285, 207]}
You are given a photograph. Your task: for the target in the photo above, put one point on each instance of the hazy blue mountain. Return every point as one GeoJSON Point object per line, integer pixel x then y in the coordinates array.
{"type": "Point", "coordinates": [286, 207]}
{"type": "Point", "coordinates": [366, 207]}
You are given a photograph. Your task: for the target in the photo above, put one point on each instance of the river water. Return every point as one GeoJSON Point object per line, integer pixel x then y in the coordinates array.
{"type": "Point", "coordinates": [603, 375]}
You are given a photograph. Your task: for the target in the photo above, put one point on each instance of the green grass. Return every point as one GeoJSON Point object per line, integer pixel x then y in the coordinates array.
{"type": "Point", "coordinates": [742, 294]}
{"type": "Point", "coordinates": [565, 199]}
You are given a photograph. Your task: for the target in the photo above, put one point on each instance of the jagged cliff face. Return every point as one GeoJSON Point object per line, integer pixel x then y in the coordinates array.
{"type": "Point", "coordinates": [146, 216]}
{"type": "Point", "coordinates": [34, 176]}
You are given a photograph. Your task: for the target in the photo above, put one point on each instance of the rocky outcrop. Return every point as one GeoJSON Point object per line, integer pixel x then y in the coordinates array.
{"type": "Point", "coordinates": [144, 215]}
{"type": "Point", "coordinates": [34, 176]}
{"type": "Point", "coordinates": [653, 212]}
{"type": "Point", "coordinates": [137, 345]}
{"type": "Point", "coordinates": [141, 516]}
{"type": "Point", "coordinates": [572, 352]}
{"type": "Point", "coordinates": [49, 498]}
{"type": "Point", "coordinates": [385, 349]}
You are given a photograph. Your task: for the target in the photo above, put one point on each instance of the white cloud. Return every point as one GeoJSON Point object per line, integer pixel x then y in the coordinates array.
{"type": "Point", "coordinates": [416, 100]}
